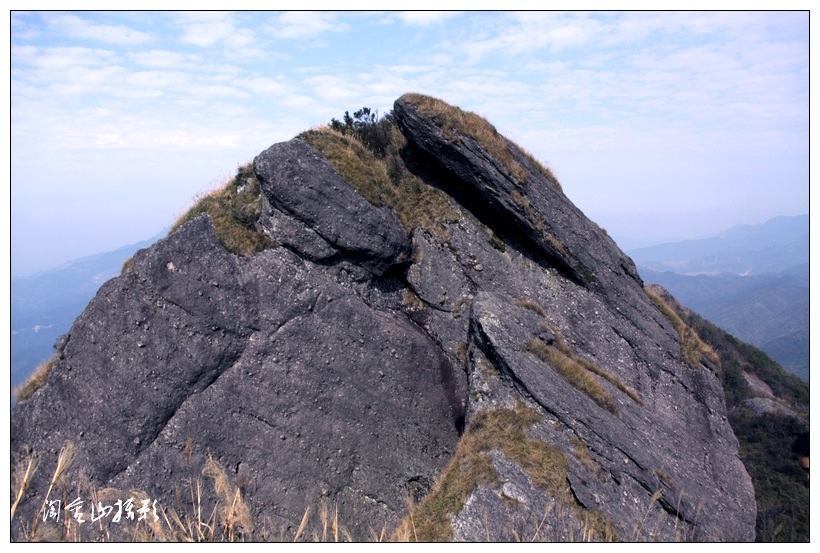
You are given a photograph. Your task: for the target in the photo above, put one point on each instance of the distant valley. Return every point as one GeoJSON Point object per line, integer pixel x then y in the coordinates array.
{"type": "Point", "coordinates": [44, 305]}
{"type": "Point", "coordinates": [753, 281]}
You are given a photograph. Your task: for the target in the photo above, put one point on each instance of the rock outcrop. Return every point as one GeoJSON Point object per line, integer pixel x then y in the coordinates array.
{"type": "Point", "coordinates": [356, 364]}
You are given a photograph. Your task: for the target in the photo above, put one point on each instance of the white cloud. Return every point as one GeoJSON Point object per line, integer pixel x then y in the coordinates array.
{"type": "Point", "coordinates": [210, 29]}
{"type": "Point", "coordinates": [425, 18]}
{"type": "Point", "coordinates": [334, 88]}
{"type": "Point", "coordinates": [305, 24]}
{"type": "Point", "coordinates": [264, 85]}
{"type": "Point", "coordinates": [59, 58]}
{"type": "Point", "coordinates": [205, 28]}
{"type": "Point", "coordinates": [165, 59]}
{"type": "Point", "coordinates": [77, 27]}
{"type": "Point", "coordinates": [645, 95]}
{"type": "Point", "coordinates": [529, 31]}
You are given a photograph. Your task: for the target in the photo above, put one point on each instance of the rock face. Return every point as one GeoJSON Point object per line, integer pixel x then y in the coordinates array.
{"type": "Point", "coordinates": [342, 367]}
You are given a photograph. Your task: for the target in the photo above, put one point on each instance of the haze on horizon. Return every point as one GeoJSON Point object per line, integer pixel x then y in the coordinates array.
{"type": "Point", "coordinates": [660, 126]}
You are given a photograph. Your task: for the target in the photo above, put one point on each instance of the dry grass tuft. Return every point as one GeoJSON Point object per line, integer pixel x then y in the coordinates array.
{"type": "Point", "coordinates": [225, 517]}
{"type": "Point", "coordinates": [386, 181]}
{"type": "Point", "coordinates": [636, 532]}
{"type": "Point", "coordinates": [412, 302]}
{"type": "Point", "coordinates": [234, 516]}
{"type": "Point", "coordinates": [21, 478]}
{"type": "Point", "coordinates": [504, 430]}
{"type": "Point", "coordinates": [563, 347]}
{"type": "Point", "coordinates": [693, 350]}
{"type": "Point", "coordinates": [582, 453]}
{"type": "Point", "coordinates": [36, 381]}
{"type": "Point", "coordinates": [234, 209]}
{"type": "Point", "coordinates": [573, 372]}
{"type": "Point", "coordinates": [531, 305]}
{"type": "Point", "coordinates": [593, 368]}
{"type": "Point", "coordinates": [455, 123]}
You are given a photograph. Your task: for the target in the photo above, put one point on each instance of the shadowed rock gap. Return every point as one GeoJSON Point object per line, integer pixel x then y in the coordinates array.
{"type": "Point", "coordinates": [489, 212]}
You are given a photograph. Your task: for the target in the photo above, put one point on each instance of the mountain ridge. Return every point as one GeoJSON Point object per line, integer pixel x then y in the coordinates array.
{"type": "Point", "coordinates": [359, 351]}
{"type": "Point", "coordinates": [752, 280]}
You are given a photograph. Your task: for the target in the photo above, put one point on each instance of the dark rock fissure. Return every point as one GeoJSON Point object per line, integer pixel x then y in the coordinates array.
{"type": "Point", "coordinates": [490, 213]}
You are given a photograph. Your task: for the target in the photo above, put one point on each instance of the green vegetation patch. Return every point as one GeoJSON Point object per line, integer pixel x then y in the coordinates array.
{"type": "Point", "coordinates": [234, 210]}
{"type": "Point", "coordinates": [36, 381]}
{"type": "Point", "coordinates": [455, 122]}
{"type": "Point", "coordinates": [781, 488]}
{"type": "Point", "coordinates": [378, 173]}
{"type": "Point", "coordinates": [737, 357]}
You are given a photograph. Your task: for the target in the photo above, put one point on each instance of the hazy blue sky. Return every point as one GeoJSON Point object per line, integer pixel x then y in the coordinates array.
{"type": "Point", "coordinates": [660, 126]}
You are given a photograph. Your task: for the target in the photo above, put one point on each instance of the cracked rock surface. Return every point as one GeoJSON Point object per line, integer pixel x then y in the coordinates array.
{"type": "Point", "coordinates": [342, 367]}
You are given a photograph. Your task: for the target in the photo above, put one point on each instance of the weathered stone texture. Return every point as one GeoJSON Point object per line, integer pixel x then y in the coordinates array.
{"type": "Point", "coordinates": [342, 367]}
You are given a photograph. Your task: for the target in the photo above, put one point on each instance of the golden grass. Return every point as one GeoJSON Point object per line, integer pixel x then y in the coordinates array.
{"type": "Point", "coordinates": [386, 181]}
{"type": "Point", "coordinates": [234, 210]}
{"type": "Point", "coordinates": [21, 480]}
{"type": "Point", "coordinates": [562, 346]}
{"type": "Point", "coordinates": [692, 349]}
{"type": "Point", "coordinates": [504, 430]}
{"type": "Point", "coordinates": [21, 477]}
{"type": "Point", "coordinates": [593, 368]}
{"type": "Point", "coordinates": [573, 372]}
{"type": "Point", "coordinates": [36, 381]}
{"type": "Point", "coordinates": [127, 266]}
{"type": "Point", "coordinates": [582, 453]}
{"type": "Point", "coordinates": [531, 305]}
{"type": "Point", "coordinates": [357, 165]}
{"type": "Point", "coordinates": [233, 513]}
{"type": "Point", "coordinates": [229, 519]}
{"type": "Point", "coordinates": [455, 122]}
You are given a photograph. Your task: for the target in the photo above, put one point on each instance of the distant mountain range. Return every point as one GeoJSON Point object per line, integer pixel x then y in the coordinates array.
{"type": "Point", "coordinates": [753, 281]}
{"type": "Point", "coordinates": [44, 305]}
{"type": "Point", "coordinates": [774, 246]}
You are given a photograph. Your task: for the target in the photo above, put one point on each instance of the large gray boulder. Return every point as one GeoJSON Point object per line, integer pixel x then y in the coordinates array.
{"type": "Point", "coordinates": [361, 362]}
{"type": "Point", "coordinates": [284, 377]}
{"type": "Point", "coordinates": [320, 217]}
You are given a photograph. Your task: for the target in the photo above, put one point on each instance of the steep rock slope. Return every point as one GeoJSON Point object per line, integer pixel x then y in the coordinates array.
{"type": "Point", "coordinates": [514, 358]}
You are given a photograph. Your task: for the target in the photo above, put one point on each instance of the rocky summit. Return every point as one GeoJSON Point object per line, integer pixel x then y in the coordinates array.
{"type": "Point", "coordinates": [406, 332]}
